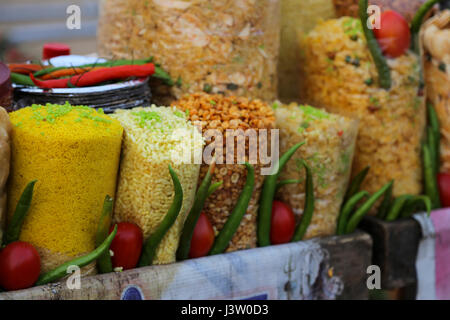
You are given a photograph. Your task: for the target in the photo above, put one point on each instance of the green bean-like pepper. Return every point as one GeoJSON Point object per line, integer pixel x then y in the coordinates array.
{"type": "Point", "coordinates": [194, 214]}
{"type": "Point", "coordinates": [23, 206]}
{"type": "Point", "coordinates": [365, 208]}
{"type": "Point", "coordinates": [347, 209]}
{"type": "Point", "coordinates": [267, 195]}
{"type": "Point", "coordinates": [308, 210]}
{"type": "Point", "coordinates": [112, 63]}
{"type": "Point", "coordinates": [435, 127]}
{"type": "Point", "coordinates": [22, 79]}
{"type": "Point", "coordinates": [431, 186]}
{"type": "Point", "coordinates": [234, 220]}
{"type": "Point", "coordinates": [152, 243]}
{"type": "Point", "coordinates": [287, 182]}
{"type": "Point", "coordinates": [386, 203]}
{"type": "Point", "coordinates": [416, 23]}
{"type": "Point", "coordinates": [61, 271]}
{"type": "Point", "coordinates": [384, 72]}
{"type": "Point", "coordinates": [433, 152]}
{"type": "Point", "coordinates": [213, 188]}
{"type": "Point", "coordinates": [104, 264]}
{"type": "Point", "coordinates": [397, 206]}
{"type": "Point", "coordinates": [356, 183]}
{"type": "Point", "coordinates": [411, 206]}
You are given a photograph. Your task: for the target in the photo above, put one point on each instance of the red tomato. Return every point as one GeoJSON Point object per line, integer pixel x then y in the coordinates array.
{"type": "Point", "coordinates": [282, 224]}
{"type": "Point", "coordinates": [444, 189]}
{"type": "Point", "coordinates": [126, 246]}
{"type": "Point", "coordinates": [394, 35]}
{"type": "Point", "coordinates": [202, 238]}
{"type": "Point", "coordinates": [20, 266]}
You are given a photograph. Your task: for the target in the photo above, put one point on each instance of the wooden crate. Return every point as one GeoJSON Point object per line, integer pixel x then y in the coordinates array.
{"type": "Point", "coordinates": [395, 246]}
{"type": "Point", "coordinates": [328, 268]}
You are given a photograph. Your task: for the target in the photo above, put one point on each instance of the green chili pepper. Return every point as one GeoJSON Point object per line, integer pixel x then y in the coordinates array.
{"type": "Point", "coordinates": [23, 205]}
{"type": "Point", "coordinates": [22, 79]}
{"type": "Point", "coordinates": [214, 187]}
{"type": "Point", "coordinates": [386, 203]}
{"type": "Point", "coordinates": [434, 122]}
{"type": "Point", "coordinates": [104, 264]}
{"type": "Point", "coordinates": [397, 207]}
{"type": "Point", "coordinates": [356, 183]}
{"type": "Point", "coordinates": [194, 214]}
{"type": "Point", "coordinates": [416, 23]}
{"type": "Point", "coordinates": [384, 72]}
{"type": "Point", "coordinates": [433, 152]}
{"type": "Point", "coordinates": [113, 63]}
{"type": "Point", "coordinates": [234, 220]}
{"type": "Point", "coordinates": [411, 206]}
{"type": "Point", "coordinates": [163, 75]}
{"type": "Point", "coordinates": [286, 182]}
{"type": "Point", "coordinates": [308, 210]}
{"type": "Point", "coordinates": [348, 209]}
{"type": "Point", "coordinates": [152, 243]}
{"type": "Point", "coordinates": [365, 208]}
{"type": "Point", "coordinates": [61, 271]}
{"type": "Point", "coordinates": [267, 195]}
{"type": "Point", "coordinates": [431, 186]}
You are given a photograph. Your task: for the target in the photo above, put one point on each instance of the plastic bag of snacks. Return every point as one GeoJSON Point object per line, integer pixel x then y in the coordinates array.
{"type": "Point", "coordinates": [217, 114]}
{"type": "Point", "coordinates": [5, 131]}
{"type": "Point", "coordinates": [298, 18]}
{"type": "Point", "coordinates": [407, 8]}
{"type": "Point", "coordinates": [145, 189]}
{"type": "Point", "coordinates": [330, 143]}
{"type": "Point", "coordinates": [435, 37]}
{"type": "Point", "coordinates": [341, 77]}
{"type": "Point", "coordinates": [73, 152]}
{"type": "Point", "coordinates": [228, 46]}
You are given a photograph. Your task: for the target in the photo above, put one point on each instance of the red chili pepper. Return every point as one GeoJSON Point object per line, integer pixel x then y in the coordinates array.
{"type": "Point", "coordinates": [340, 133]}
{"type": "Point", "coordinates": [97, 76]}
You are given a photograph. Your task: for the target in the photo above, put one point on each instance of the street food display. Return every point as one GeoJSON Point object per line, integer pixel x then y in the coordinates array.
{"type": "Point", "coordinates": [228, 162]}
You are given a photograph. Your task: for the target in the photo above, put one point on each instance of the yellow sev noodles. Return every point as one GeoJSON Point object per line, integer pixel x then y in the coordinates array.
{"type": "Point", "coordinates": [73, 152]}
{"type": "Point", "coordinates": [341, 77]}
{"type": "Point", "coordinates": [145, 189]}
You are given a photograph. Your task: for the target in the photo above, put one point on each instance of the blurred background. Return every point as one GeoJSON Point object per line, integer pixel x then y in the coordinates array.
{"type": "Point", "coordinates": [25, 25]}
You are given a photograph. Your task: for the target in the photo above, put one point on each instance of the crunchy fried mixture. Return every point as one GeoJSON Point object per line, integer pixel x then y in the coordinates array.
{"type": "Point", "coordinates": [221, 113]}
{"type": "Point", "coordinates": [219, 46]}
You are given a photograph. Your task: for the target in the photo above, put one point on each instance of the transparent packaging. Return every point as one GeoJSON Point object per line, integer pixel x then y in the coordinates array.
{"type": "Point", "coordinates": [222, 46]}
{"type": "Point", "coordinates": [329, 148]}
{"type": "Point", "coordinates": [342, 78]}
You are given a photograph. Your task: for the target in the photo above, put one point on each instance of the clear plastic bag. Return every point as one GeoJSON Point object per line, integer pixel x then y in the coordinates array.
{"type": "Point", "coordinates": [330, 144]}
{"type": "Point", "coordinates": [298, 18]}
{"type": "Point", "coordinates": [342, 78]}
{"type": "Point", "coordinates": [222, 46]}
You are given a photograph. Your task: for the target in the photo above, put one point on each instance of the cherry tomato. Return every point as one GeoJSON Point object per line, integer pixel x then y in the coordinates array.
{"type": "Point", "coordinates": [20, 266]}
{"type": "Point", "coordinates": [394, 35]}
{"type": "Point", "coordinates": [126, 246]}
{"type": "Point", "coordinates": [444, 189]}
{"type": "Point", "coordinates": [283, 223]}
{"type": "Point", "coordinates": [202, 238]}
